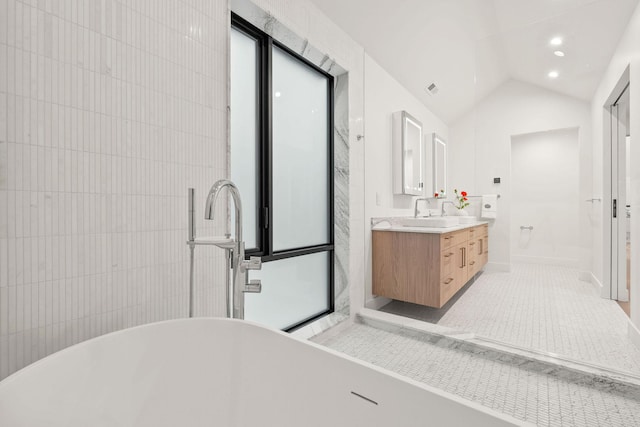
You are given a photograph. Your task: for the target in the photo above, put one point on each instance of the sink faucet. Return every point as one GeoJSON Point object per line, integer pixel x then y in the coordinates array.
{"type": "Point", "coordinates": [443, 203]}
{"type": "Point", "coordinates": [415, 209]}
{"type": "Point", "coordinates": [239, 265]}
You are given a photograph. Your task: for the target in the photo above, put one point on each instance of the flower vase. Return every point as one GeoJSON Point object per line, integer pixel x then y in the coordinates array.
{"type": "Point", "coordinates": [461, 212]}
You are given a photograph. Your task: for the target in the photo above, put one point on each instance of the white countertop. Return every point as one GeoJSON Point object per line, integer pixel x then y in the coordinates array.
{"type": "Point", "coordinates": [388, 225]}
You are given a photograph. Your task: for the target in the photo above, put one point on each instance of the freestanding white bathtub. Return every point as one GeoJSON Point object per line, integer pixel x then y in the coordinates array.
{"type": "Point", "coordinates": [220, 372]}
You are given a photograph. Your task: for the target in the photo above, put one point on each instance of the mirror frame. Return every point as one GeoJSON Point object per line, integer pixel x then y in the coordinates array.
{"type": "Point", "coordinates": [437, 142]}
{"type": "Point", "coordinates": [402, 119]}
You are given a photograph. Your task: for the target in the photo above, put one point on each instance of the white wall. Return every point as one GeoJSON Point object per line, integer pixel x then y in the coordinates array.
{"type": "Point", "coordinates": [480, 149]}
{"type": "Point", "coordinates": [545, 183]}
{"type": "Point", "coordinates": [627, 54]}
{"type": "Point", "coordinates": [384, 96]}
{"type": "Point", "coordinates": [109, 111]}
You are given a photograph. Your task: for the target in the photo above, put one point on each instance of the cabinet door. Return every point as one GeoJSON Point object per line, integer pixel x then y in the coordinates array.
{"type": "Point", "coordinates": [449, 282]}
{"type": "Point", "coordinates": [460, 265]}
{"type": "Point", "coordinates": [405, 266]}
{"type": "Point", "coordinates": [474, 233]}
{"type": "Point", "coordinates": [482, 246]}
{"type": "Point", "coordinates": [483, 258]}
{"type": "Point", "coordinates": [389, 280]}
{"type": "Point", "coordinates": [472, 258]}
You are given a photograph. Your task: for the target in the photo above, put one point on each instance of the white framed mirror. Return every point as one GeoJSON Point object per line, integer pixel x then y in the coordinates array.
{"type": "Point", "coordinates": [408, 153]}
{"type": "Point", "coordinates": [439, 165]}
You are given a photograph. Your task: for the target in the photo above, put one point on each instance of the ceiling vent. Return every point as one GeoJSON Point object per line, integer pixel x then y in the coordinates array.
{"type": "Point", "coordinates": [432, 89]}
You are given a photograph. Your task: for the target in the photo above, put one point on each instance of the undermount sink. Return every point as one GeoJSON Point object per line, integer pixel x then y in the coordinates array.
{"type": "Point", "coordinates": [432, 221]}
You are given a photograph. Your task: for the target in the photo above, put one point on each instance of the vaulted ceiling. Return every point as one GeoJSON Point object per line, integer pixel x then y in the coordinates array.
{"type": "Point", "coordinates": [470, 47]}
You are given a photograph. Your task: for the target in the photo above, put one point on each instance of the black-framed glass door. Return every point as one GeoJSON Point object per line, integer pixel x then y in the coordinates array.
{"type": "Point", "coordinates": [282, 161]}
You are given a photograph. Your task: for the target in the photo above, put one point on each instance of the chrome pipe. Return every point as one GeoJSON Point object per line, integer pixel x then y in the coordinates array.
{"type": "Point", "coordinates": [192, 236]}
{"type": "Point", "coordinates": [227, 291]}
{"type": "Point", "coordinates": [192, 215]}
{"type": "Point", "coordinates": [191, 281]}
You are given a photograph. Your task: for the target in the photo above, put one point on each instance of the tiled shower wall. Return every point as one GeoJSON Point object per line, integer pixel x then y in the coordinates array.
{"type": "Point", "coordinates": [109, 111]}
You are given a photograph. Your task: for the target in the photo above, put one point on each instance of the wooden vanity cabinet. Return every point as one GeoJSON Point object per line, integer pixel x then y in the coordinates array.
{"type": "Point", "coordinates": [427, 268]}
{"type": "Point", "coordinates": [484, 245]}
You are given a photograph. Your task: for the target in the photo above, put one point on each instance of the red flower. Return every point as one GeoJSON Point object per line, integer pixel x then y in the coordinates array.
{"type": "Point", "coordinates": [464, 198]}
{"type": "Point", "coordinates": [464, 194]}
{"type": "Point", "coordinates": [435, 194]}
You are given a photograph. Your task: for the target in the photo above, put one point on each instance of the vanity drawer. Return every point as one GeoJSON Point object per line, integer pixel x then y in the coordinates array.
{"type": "Point", "coordinates": [474, 232]}
{"type": "Point", "coordinates": [447, 260]}
{"type": "Point", "coordinates": [448, 287]}
{"type": "Point", "coordinates": [472, 248]}
{"type": "Point", "coordinates": [455, 238]}
{"type": "Point", "coordinates": [472, 259]}
{"type": "Point", "coordinates": [478, 231]}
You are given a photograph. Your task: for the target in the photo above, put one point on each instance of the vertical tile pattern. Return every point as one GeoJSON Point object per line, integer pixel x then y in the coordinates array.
{"type": "Point", "coordinates": [109, 111]}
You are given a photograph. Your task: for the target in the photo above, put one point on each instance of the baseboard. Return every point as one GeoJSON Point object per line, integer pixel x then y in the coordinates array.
{"type": "Point", "coordinates": [634, 334]}
{"type": "Point", "coordinates": [376, 303]}
{"type": "Point", "coordinates": [596, 283]}
{"type": "Point", "coordinates": [501, 267]}
{"type": "Point", "coordinates": [563, 262]}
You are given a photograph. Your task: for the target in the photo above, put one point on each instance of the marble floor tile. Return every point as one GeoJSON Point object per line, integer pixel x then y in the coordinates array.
{"type": "Point", "coordinates": [533, 397]}
{"type": "Point", "coordinates": [540, 307]}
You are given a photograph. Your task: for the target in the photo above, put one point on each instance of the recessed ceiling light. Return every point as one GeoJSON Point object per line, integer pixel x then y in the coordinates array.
{"type": "Point", "coordinates": [559, 53]}
{"type": "Point", "coordinates": [556, 41]}
{"type": "Point", "coordinates": [553, 74]}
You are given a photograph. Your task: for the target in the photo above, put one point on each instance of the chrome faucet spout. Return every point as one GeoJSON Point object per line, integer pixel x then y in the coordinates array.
{"type": "Point", "coordinates": [212, 197]}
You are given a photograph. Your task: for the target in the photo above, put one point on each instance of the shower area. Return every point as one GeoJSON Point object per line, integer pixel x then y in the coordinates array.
{"type": "Point", "coordinates": [545, 173]}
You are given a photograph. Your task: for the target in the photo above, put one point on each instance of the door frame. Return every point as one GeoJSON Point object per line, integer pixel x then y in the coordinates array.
{"type": "Point", "coordinates": [613, 288]}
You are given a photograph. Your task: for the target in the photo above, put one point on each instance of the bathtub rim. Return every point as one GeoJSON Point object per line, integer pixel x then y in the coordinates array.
{"type": "Point", "coordinates": [250, 324]}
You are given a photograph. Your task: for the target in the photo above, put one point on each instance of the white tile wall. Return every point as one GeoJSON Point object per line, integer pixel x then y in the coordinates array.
{"type": "Point", "coordinates": [109, 111]}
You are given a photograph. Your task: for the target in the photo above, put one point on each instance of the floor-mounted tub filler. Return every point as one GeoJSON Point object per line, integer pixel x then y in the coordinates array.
{"type": "Point", "coordinates": [221, 372]}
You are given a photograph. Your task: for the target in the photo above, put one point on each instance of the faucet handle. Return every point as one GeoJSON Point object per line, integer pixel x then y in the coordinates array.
{"type": "Point", "coordinates": [253, 287]}
{"type": "Point", "coordinates": [254, 263]}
